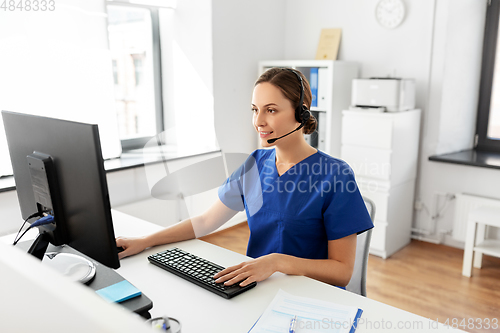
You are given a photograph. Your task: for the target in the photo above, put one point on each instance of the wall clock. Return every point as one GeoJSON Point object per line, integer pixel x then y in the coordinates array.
{"type": "Point", "coordinates": [390, 13]}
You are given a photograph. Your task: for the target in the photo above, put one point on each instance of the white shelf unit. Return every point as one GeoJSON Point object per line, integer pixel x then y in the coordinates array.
{"type": "Point", "coordinates": [382, 149]}
{"type": "Point", "coordinates": [334, 95]}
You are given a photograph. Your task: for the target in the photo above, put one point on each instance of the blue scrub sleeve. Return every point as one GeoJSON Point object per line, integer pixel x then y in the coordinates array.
{"type": "Point", "coordinates": [345, 212]}
{"type": "Point", "coordinates": [231, 192]}
{"type": "Point", "coordinates": [243, 188]}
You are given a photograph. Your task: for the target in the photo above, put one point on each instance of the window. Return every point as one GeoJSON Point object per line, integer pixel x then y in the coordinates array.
{"type": "Point", "coordinates": [58, 66]}
{"type": "Point", "coordinates": [134, 43]}
{"type": "Point", "coordinates": [488, 119]}
{"type": "Point", "coordinates": [68, 74]}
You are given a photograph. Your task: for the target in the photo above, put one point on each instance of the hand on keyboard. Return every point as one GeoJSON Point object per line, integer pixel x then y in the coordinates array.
{"type": "Point", "coordinates": [196, 270]}
{"type": "Point", "coordinates": [249, 271]}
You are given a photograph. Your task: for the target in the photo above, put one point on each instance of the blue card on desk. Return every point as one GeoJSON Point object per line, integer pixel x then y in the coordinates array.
{"type": "Point", "coordinates": [119, 292]}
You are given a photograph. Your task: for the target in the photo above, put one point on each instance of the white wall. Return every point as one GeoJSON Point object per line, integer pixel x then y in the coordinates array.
{"type": "Point", "coordinates": [461, 74]}
{"type": "Point", "coordinates": [404, 52]}
{"type": "Point", "coordinates": [450, 126]}
{"type": "Point", "coordinates": [186, 46]}
{"type": "Point", "coordinates": [244, 32]}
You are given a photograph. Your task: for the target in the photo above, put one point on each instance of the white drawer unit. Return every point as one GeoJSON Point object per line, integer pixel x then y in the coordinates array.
{"type": "Point", "coordinates": [393, 217]}
{"type": "Point", "coordinates": [377, 132]}
{"type": "Point", "coordinates": [377, 242]}
{"type": "Point", "coordinates": [379, 196]}
{"type": "Point", "coordinates": [368, 162]}
{"type": "Point", "coordinates": [382, 149]}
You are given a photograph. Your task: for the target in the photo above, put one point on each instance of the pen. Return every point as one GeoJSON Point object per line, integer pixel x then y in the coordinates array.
{"type": "Point", "coordinates": [293, 323]}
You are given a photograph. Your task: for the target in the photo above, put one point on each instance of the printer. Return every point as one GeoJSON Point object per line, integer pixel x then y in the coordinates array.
{"type": "Point", "coordinates": [389, 94]}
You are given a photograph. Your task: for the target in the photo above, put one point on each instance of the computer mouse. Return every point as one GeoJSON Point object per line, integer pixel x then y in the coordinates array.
{"type": "Point", "coordinates": [119, 249]}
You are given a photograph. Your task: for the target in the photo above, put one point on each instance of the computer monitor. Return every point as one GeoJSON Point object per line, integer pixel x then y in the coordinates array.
{"type": "Point", "coordinates": [83, 212]}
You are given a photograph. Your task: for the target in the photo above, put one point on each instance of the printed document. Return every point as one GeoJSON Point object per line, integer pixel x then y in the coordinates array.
{"type": "Point", "coordinates": [312, 315]}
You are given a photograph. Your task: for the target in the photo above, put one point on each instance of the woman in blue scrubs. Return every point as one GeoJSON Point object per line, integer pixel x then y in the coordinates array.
{"type": "Point", "coordinates": [303, 206]}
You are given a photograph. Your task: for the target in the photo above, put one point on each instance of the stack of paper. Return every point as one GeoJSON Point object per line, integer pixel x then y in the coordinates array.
{"type": "Point", "coordinates": [312, 315]}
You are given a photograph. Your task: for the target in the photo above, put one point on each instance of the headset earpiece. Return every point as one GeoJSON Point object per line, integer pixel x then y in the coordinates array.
{"type": "Point", "coordinates": [306, 114]}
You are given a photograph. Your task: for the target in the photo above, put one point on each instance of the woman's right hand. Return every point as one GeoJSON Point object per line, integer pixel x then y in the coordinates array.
{"type": "Point", "coordinates": [130, 245]}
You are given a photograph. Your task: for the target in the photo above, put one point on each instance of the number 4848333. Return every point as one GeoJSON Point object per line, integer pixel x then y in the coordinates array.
{"type": "Point", "coordinates": [473, 323]}
{"type": "Point", "coordinates": [28, 5]}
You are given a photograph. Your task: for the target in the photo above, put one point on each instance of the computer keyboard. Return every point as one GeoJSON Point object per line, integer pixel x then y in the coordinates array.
{"type": "Point", "coordinates": [196, 270]}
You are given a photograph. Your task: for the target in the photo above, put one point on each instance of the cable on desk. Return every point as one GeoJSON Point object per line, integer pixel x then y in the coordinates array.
{"type": "Point", "coordinates": [41, 221]}
{"type": "Point", "coordinates": [29, 217]}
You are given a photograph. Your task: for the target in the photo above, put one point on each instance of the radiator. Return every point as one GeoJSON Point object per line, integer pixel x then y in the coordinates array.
{"type": "Point", "coordinates": [464, 204]}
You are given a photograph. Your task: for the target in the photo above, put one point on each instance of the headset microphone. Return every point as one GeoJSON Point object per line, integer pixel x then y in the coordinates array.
{"type": "Point", "coordinates": [305, 116]}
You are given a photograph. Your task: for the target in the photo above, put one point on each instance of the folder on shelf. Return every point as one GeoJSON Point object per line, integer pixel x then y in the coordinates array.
{"type": "Point", "coordinates": [310, 313]}
{"type": "Point", "coordinates": [313, 82]}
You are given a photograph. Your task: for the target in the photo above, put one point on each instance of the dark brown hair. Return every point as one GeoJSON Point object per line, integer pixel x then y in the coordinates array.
{"type": "Point", "coordinates": [289, 85]}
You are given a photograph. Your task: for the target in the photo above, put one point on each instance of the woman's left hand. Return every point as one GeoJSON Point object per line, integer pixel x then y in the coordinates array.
{"type": "Point", "coordinates": [249, 271]}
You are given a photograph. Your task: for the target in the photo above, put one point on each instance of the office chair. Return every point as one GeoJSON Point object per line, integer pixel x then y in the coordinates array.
{"type": "Point", "coordinates": [358, 280]}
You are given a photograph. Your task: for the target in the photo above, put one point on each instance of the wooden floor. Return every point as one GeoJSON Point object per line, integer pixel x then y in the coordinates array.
{"type": "Point", "coordinates": [423, 278]}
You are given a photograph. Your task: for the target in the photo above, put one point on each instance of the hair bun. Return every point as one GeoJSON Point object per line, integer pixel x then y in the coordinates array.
{"type": "Point", "coordinates": [311, 125]}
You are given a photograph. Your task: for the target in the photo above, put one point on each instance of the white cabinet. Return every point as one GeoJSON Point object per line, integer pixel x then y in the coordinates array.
{"type": "Point", "coordinates": [334, 84]}
{"type": "Point", "coordinates": [382, 149]}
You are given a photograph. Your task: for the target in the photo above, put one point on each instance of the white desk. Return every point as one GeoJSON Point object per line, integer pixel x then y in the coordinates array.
{"type": "Point", "coordinates": [202, 311]}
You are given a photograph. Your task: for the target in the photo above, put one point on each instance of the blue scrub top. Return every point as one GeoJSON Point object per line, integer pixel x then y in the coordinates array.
{"type": "Point", "coordinates": [297, 213]}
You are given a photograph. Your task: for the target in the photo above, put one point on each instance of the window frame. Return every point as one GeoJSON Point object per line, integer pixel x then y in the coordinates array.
{"type": "Point", "coordinates": [136, 143]}
{"type": "Point", "coordinates": [483, 143]}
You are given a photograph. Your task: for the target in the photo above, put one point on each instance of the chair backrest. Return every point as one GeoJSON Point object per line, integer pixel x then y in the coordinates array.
{"type": "Point", "coordinates": [358, 280]}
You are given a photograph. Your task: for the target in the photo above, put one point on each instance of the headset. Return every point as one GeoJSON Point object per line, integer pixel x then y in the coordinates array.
{"type": "Point", "coordinates": [302, 114]}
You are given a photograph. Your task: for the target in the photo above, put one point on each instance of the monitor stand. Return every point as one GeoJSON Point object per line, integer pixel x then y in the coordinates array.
{"type": "Point", "coordinates": [39, 246]}
{"type": "Point", "coordinates": [74, 266]}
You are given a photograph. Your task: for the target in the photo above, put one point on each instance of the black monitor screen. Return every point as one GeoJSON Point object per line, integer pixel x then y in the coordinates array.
{"type": "Point", "coordinates": [77, 158]}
